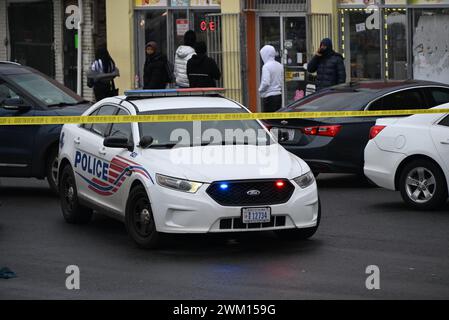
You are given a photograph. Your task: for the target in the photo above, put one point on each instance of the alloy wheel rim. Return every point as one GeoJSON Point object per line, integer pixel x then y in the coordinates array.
{"type": "Point", "coordinates": [142, 218]}
{"type": "Point", "coordinates": [420, 185]}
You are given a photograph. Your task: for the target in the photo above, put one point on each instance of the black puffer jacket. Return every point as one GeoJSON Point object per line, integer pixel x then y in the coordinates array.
{"type": "Point", "coordinates": [202, 71]}
{"type": "Point", "coordinates": [330, 69]}
{"type": "Point", "coordinates": [155, 73]}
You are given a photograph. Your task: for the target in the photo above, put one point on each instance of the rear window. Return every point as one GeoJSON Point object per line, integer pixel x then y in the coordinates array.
{"type": "Point", "coordinates": [336, 100]}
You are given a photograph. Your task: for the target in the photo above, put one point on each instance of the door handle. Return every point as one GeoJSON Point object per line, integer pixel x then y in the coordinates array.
{"type": "Point", "coordinates": [77, 141]}
{"type": "Point", "coordinates": [446, 143]}
{"type": "Point", "coordinates": [102, 151]}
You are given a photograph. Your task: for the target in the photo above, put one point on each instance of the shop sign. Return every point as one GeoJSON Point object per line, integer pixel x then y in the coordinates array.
{"type": "Point", "coordinates": [150, 3]}
{"type": "Point", "coordinates": [182, 26]}
{"type": "Point", "coordinates": [295, 76]}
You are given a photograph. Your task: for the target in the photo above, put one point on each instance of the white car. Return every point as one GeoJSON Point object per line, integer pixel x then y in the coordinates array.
{"type": "Point", "coordinates": [411, 155]}
{"type": "Point", "coordinates": [146, 176]}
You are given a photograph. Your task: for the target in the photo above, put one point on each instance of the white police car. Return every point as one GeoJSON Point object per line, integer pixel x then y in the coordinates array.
{"type": "Point", "coordinates": [184, 177]}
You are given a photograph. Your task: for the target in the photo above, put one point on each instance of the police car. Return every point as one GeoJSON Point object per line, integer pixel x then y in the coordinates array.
{"type": "Point", "coordinates": [184, 177]}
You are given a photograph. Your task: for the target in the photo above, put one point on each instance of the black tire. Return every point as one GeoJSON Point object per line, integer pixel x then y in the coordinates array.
{"type": "Point", "coordinates": [51, 170]}
{"type": "Point", "coordinates": [72, 210]}
{"type": "Point", "coordinates": [139, 220]}
{"type": "Point", "coordinates": [437, 190]}
{"type": "Point", "coordinates": [300, 234]}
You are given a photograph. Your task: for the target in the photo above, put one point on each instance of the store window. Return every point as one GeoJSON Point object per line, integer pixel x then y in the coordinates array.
{"type": "Point", "coordinates": [431, 44]}
{"type": "Point", "coordinates": [362, 43]}
{"type": "Point", "coordinates": [396, 44]}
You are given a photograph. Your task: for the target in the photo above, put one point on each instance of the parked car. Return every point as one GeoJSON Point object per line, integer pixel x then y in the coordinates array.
{"type": "Point", "coordinates": [411, 155]}
{"type": "Point", "coordinates": [31, 151]}
{"type": "Point", "coordinates": [337, 144]}
{"type": "Point", "coordinates": [143, 175]}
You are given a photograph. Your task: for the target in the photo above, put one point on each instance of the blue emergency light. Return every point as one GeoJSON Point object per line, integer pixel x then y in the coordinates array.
{"type": "Point", "coordinates": [173, 92]}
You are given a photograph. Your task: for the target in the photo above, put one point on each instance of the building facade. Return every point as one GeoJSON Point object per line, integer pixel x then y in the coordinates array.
{"type": "Point", "coordinates": [43, 34]}
{"type": "Point", "coordinates": [395, 39]}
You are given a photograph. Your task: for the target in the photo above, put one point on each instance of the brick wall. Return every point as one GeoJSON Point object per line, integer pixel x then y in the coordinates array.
{"type": "Point", "coordinates": [3, 30]}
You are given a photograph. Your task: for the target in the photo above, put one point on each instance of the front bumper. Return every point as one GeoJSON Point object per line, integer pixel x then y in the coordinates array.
{"type": "Point", "coordinates": [178, 212]}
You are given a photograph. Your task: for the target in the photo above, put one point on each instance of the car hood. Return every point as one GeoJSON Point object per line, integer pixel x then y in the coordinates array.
{"type": "Point", "coordinates": [73, 110]}
{"type": "Point", "coordinates": [225, 163]}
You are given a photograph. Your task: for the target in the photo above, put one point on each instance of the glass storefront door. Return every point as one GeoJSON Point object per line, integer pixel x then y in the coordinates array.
{"type": "Point", "coordinates": [287, 34]}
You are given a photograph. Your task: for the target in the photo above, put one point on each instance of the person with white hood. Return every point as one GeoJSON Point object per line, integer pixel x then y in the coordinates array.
{"type": "Point", "coordinates": [183, 54]}
{"type": "Point", "coordinates": [271, 83]}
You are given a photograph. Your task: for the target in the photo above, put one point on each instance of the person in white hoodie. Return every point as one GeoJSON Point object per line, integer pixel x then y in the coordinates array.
{"type": "Point", "coordinates": [183, 55]}
{"type": "Point", "coordinates": [271, 83]}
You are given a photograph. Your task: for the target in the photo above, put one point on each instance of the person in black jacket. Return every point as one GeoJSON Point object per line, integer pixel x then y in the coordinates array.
{"type": "Point", "coordinates": [155, 72]}
{"type": "Point", "coordinates": [329, 66]}
{"type": "Point", "coordinates": [201, 69]}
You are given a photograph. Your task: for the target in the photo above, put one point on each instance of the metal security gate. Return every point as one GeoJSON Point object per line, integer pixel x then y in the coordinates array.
{"type": "Point", "coordinates": [319, 27]}
{"type": "Point", "coordinates": [277, 5]}
{"type": "Point", "coordinates": [223, 43]}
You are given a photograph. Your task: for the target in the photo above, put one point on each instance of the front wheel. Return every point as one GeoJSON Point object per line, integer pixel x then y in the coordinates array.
{"type": "Point", "coordinates": [72, 210]}
{"type": "Point", "coordinates": [139, 220]}
{"type": "Point", "coordinates": [300, 234]}
{"type": "Point", "coordinates": [423, 185]}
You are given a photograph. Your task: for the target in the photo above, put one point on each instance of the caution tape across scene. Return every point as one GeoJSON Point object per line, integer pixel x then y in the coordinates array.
{"type": "Point", "coordinates": [50, 120]}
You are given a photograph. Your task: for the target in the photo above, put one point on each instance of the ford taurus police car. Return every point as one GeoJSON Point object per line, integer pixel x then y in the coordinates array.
{"type": "Point", "coordinates": [184, 177]}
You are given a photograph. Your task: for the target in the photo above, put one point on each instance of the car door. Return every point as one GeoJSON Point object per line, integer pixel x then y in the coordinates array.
{"type": "Point", "coordinates": [90, 167]}
{"type": "Point", "coordinates": [121, 164]}
{"type": "Point", "coordinates": [16, 142]}
{"type": "Point", "coordinates": [440, 135]}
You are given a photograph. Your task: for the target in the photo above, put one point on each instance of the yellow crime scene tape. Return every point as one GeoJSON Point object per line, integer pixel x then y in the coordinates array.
{"type": "Point", "coordinates": [59, 120]}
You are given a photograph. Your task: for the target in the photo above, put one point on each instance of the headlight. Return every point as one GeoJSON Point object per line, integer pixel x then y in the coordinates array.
{"type": "Point", "coordinates": [305, 180]}
{"type": "Point", "coordinates": [178, 184]}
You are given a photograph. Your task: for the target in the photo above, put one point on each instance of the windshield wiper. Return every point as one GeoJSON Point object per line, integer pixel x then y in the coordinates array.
{"type": "Point", "coordinates": [66, 104]}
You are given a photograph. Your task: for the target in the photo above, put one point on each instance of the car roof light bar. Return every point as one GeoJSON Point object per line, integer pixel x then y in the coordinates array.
{"type": "Point", "coordinates": [142, 94]}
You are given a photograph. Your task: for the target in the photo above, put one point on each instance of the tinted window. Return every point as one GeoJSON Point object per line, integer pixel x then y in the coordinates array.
{"type": "Point", "coordinates": [335, 100]}
{"type": "Point", "coordinates": [101, 128]}
{"type": "Point", "coordinates": [88, 126]}
{"type": "Point", "coordinates": [121, 129]}
{"type": "Point", "coordinates": [440, 96]}
{"type": "Point", "coordinates": [402, 100]}
{"type": "Point", "coordinates": [445, 122]}
{"type": "Point", "coordinates": [6, 93]}
{"type": "Point", "coordinates": [42, 89]}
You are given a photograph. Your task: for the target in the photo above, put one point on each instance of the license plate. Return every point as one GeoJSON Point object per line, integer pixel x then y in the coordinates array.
{"type": "Point", "coordinates": [256, 215]}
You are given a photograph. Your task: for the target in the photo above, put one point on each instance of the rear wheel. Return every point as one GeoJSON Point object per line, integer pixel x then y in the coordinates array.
{"type": "Point", "coordinates": [72, 210]}
{"type": "Point", "coordinates": [300, 234]}
{"type": "Point", "coordinates": [140, 221]}
{"type": "Point", "coordinates": [423, 185]}
{"type": "Point", "coordinates": [51, 169]}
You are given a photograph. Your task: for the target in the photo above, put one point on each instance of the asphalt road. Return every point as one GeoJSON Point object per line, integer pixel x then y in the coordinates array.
{"type": "Point", "coordinates": [361, 226]}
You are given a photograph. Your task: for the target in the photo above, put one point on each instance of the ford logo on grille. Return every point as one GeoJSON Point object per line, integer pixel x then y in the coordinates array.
{"type": "Point", "coordinates": [253, 193]}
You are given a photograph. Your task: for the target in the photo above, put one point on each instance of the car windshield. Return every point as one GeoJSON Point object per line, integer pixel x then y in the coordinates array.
{"type": "Point", "coordinates": [169, 135]}
{"type": "Point", "coordinates": [334, 100]}
{"type": "Point", "coordinates": [44, 90]}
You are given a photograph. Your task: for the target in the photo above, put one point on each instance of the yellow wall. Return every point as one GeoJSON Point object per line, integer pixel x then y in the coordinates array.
{"type": "Point", "coordinates": [119, 22]}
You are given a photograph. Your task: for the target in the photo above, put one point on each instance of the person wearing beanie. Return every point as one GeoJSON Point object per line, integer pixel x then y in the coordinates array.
{"type": "Point", "coordinates": [329, 66]}
{"type": "Point", "coordinates": [183, 54]}
{"type": "Point", "coordinates": [155, 73]}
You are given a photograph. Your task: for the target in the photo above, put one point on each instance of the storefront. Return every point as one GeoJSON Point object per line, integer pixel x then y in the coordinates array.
{"type": "Point", "coordinates": [395, 39]}
{"type": "Point", "coordinates": [166, 21]}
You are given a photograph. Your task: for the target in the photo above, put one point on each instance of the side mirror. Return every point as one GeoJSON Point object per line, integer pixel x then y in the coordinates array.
{"type": "Point", "coordinates": [118, 143]}
{"type": "Point", "coordinates": [146, 142]}
{"type": "Point", "coordinates": [15, 104]}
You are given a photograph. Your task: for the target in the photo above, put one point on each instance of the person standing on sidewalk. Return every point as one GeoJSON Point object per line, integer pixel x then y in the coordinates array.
{"type": "Point", "coordinates": [271, 83]}
{"type": "Point", "coordinates": [329, 66]}
{"type": "Point", "coordinates": [156, 72]}
{"type": "Point", "coordinates": [202, 70]}
{"type": "Point", "coordinates": [183, 54]}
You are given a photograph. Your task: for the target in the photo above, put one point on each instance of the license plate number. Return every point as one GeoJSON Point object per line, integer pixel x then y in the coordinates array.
{"type": "Point", "coordinates": [256, 215]}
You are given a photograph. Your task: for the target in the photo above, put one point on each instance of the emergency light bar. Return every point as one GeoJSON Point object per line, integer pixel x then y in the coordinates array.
{"type": "Point", "coordinates": [130, 94]}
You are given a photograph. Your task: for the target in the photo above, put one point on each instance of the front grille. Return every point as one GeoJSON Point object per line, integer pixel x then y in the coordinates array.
{"type": "Point", "coordinates": [237, 223]}
{"type": "Point", "coordinates": [238, 193]}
